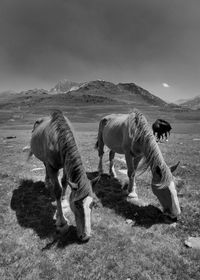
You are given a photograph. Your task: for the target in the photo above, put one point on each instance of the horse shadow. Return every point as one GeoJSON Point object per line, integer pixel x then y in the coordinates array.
{"type": "Point", "coordinates": [112, 194]}
{"type": "Point", "coordinates": [32, 203]}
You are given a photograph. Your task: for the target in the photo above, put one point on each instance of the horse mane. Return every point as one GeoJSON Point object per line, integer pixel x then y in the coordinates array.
{"type": "Point", "coordinates": [142, 134]}
{"type": "Point", "coordinates": [72, 162]}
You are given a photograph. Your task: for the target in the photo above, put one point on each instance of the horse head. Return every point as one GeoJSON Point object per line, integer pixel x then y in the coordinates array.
{"type": "Point", "coordinates": [81, 202]}
{"type": "Point", "coordinates": [166, 194]}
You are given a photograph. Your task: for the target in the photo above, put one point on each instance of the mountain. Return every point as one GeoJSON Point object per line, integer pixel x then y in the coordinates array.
{"type": "Point", "coordinates": [180, 101]}
{"type": "Point", "coordinates": [65, 86]}
{"type": "Point", "coordinates": [193, 103]}
{"type": "Point", "coordinates": [120, 93]}
{"type": "Point", "coordinates": [145, 95]}
{"type": "Point", "coordinates": [88, 101]}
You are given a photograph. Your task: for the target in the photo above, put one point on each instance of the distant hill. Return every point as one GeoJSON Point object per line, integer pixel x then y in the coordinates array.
{"type": "Point", "coordinates": [7, 95]}
{"type": "Point", "coordinates": [87, 101]}
{"type": "Point", "coordinates": [122, 92]}
{"type": "Point", "coordinates": [7, 92]}
{"type": "Point", "coordinates": [35, 91]}
{"type": "Point", "coordinates": [193, 103]}
{"type": "Point", "coordinates": [180, 101]}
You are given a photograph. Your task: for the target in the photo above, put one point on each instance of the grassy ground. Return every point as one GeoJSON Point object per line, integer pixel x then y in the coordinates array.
{"type": "Point", "coordinates": [128, 242]}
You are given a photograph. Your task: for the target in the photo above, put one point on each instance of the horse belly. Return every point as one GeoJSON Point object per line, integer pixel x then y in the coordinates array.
{"type": "Point", "coordinates": [37, 148]}
{"type": "Point", "coordinates": [113, 139]}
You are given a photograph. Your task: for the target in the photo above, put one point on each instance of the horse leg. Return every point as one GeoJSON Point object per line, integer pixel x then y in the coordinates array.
{"type": "Point", "coordinates": [100, 144]}
{"type": "Point", "coordinates": [156, 136]}
{"type": "Point", "coordinates": [166, 139]}
{"type": "Point", "coordinates": [131, 175]}
{"type": "Point", "coordinates": [100, 152]}
{"type": "Point", "coordinates": [60, 219]}
{"type": "Point", "coordinates": [48, 183]}
{"type": "Point", "coordinates": [64, 184]}
{"type": "Point", "coordinates": [112, 169]}
{"type": "Point", "coordinates": [47, 179]}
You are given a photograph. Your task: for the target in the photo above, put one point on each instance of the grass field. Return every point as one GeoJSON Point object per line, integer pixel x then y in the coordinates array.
{"type": "Point", "coordinates": [128, 241]}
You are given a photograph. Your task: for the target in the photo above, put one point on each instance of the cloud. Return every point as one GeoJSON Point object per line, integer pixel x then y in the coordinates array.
{"type": "Point", "coordinates": [165, 85]}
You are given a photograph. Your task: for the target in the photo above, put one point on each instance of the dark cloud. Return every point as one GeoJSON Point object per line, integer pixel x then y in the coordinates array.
{"type": "Point", "coordinates": [149, 42]}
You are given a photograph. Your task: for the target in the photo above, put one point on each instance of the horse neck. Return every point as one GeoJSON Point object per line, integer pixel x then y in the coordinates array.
{"type": "Point", "coordinates": [69, 154]}
{"type": "Point", "coordinates": [73, 166]}
{"type": "Point", "coordinates": [153, 154]}
{"type": "Point", "coordinates": [72, 159]}
{"type": "Point", "coordinates": [155, 159]}
{"type": "Point", "coordinates": [148, 146]}
{"type": "Point", "coordinates": [77, 175]}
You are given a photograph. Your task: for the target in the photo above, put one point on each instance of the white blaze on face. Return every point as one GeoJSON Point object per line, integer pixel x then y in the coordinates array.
{"type": "Point", "coordinates": [175, 203]}
{"type": "Point", "coordinates": [87, 212]}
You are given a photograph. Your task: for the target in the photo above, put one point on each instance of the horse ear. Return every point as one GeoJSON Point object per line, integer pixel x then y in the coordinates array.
{"type": "Point", "coordinates": [72, 185]}
{"type": "Point", "coordinates": [173, 168]}
{"type": "Point", "coordinates": [95, 180]}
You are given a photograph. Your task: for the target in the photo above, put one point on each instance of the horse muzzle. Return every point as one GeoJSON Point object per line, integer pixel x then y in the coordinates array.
{"type": "Point", "coordinates": [171, 217]}
{"type": "Point", "coordinates": [84, 238]}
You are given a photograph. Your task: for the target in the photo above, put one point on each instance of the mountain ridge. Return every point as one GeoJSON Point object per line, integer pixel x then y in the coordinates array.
{"type": "Point", "coordinates": [129, 91]}
{"type": "Point", "coordinates": [93, 94]}
{"type": "Point", "coordinates": [191, 103]}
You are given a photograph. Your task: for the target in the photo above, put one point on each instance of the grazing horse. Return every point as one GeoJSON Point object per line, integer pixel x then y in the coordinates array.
{"type": "Point", "coordinates": [161, 128]}
{"type": "Point", "coordinates": [130, 134]}
{"type": "Point", "coordinates": [54, 144]}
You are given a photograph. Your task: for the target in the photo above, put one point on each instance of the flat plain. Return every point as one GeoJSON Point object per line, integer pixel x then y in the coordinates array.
{"type": "Point", "coordinates": [128, 241]}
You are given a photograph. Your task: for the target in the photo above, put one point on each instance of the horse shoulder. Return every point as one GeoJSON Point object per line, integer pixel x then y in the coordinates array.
{"type": "Point", "coordinates": [39, 139]}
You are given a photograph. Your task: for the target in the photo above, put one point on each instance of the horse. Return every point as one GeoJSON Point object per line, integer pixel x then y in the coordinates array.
{"type": "Point", "coordinates": [53, 143]}
{"type": "Point", "coordinates": [131, 135]}
{"type": "Point", "coordinates": [161, 128]}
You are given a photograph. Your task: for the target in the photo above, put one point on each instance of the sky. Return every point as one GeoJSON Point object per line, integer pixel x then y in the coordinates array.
{"type": "Point", "coordinates": [152, 43]}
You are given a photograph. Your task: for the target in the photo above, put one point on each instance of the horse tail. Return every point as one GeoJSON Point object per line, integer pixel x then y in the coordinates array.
{"type": "Point", "coordinates": [100, 133]}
